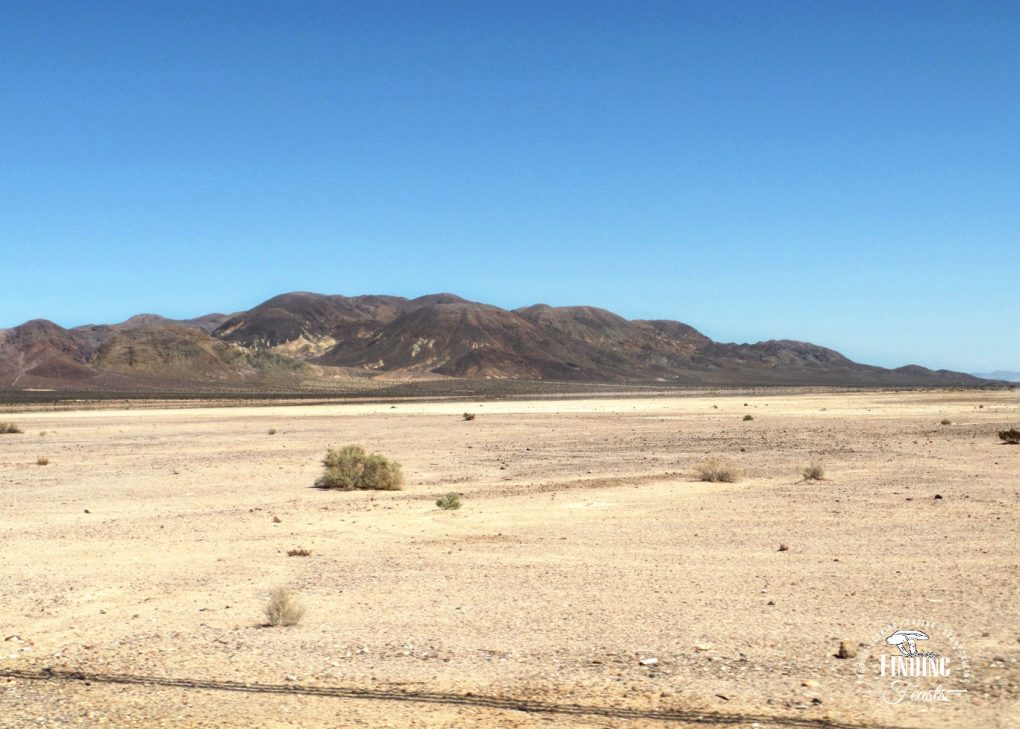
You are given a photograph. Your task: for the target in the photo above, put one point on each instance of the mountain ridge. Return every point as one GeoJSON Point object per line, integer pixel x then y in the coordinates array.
{"type": "Point", "coordinates": [302, 339]}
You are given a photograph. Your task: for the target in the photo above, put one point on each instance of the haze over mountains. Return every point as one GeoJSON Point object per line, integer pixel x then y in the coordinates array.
{"type": "Point", "coordinates": [1007, 375]}
{"type": "Point", "coordinates": [304, 340]}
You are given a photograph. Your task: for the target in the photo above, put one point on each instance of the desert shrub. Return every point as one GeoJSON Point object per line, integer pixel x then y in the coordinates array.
{"type": "Point", "coordinates": [748, 417]}
{"type": "Point", "coordinates": [814, 472]}
{"type": "Point", "coordinates": [272, 431]}
{"type": "Point", "coordinates": [469, 416]}
{"type": "Point", "coordinates": [946, 421]}
{"type": "Point", "coordinates": [449, 502]}
{"type": "Point", "coordinates": [42, 461]}
{"type": "Point", "coordinates": [282, 609]}
{"type": "Point", "coordinates": [350, 468]}
{"type": "Point", "coordinates": [9, 428]}
{"type": "Point", "coordinates": [1010, 436]}
{"type": "Point", "coordinates": [299, 552]}
{"type": "Point", "coordinates": [717, 470]}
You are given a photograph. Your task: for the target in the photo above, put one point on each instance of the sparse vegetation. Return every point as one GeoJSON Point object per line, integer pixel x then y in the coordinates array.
{"type": "Point", "coordinates": [1011, 436]}
{"type": "Point", "coordinates": [272, 431]}
{"type": "Point", "coordinates": [946, 421]}
{"type": "Point", "coordinates": [718, 470]}
{"type": "Point", "coordinates": [42, 461]}
{"type": "Point", "coordinates": [350, 468]}
{"type": "Point", "coordinates": [469, 416]}
{"type": "Point", "coordinates": [282, 609]}
{"type": "Point", "coordinates": [449, 502]}
{"type": "Point", "coordinates": [748, 417]}
{"type": "Point", "coordinates": [9, 428]}
{"type": "Point", "coordinates": [814, 472]}
{"type": "Point", "coordinates": [299, 552]}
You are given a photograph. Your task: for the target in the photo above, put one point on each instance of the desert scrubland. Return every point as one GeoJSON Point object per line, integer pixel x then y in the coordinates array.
{"type": "Point", "coordinates": [136, 563]}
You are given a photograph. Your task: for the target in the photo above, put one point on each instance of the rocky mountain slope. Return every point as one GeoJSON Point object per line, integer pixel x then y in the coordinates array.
{"type": "Point", "coordinates": [300, 339]}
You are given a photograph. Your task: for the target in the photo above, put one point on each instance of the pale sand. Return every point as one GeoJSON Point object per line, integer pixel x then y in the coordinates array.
{"type": "Point", "coordinates": [584, 545]}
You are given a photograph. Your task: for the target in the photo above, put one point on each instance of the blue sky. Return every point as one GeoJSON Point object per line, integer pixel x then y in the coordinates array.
{"type": "Point", "coordinates": [841, 172]}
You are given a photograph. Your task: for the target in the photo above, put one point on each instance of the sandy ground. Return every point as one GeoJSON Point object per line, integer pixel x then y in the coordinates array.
{"type": "Point", "coordinates": [135, 565]}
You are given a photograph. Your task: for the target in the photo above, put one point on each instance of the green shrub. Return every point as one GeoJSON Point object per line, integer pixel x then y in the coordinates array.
{"type": "Point", "coordinates": [469, 416]}
{"type": "Point", "coordinates": [1010, 436]}
{"type": "Point", "coordinates": [748, 417]}
{"type": "Point", "coordinates": [450, 501]}
{"type": "Point", "coordinates": [717, 470]}
{"type": "Point", "coordinates": [814, 472]}
{"type": "Point", "coordinates": [351, 468]}
{"type": "Point", "coordinates": [282, 609]}
{"type": "Point", "coordinates": [946, 421]}
{"type": "Point", "coordinates": [272, 431]}
{"type": "Point", "coordinates": [9, 428]}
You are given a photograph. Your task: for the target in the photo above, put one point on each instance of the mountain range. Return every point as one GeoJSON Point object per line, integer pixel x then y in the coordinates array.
{"type": "Point", "coordinates": [304, 340]}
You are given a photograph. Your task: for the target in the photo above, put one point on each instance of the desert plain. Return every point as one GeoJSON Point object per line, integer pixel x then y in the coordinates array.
{"type": "Point", "coordinates": [589, 579]}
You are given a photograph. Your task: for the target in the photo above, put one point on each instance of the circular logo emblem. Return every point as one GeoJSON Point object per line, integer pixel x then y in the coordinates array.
{"type": "Point", "coordinates": [914, 660]}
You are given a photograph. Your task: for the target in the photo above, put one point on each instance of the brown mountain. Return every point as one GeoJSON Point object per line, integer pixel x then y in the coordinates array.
{"type": "Point", "coordinates": [304, 339]}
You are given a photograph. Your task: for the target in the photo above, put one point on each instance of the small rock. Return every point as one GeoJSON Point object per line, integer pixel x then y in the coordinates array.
{"type": "Point", "coordinates": [648, 661]}
{"type": "Point", "coordinates": [87, 511]}
{"type": "Point", "coordinates": [938, 497]}
{"type": "Point", "coordinates": [723, 697]}
{"type": "Point", "coordinates": [783, 548]}
{"type": "Point", "coordinates": [846, 650]}
{"type": "Point", "coordinates": [703, 647]}
{"type": "Point", "coordinates": [810, 683]}
{"type": "Point", "coordinates": [290, 677]}
{"type": "Point", "coordinates": [277, 520]}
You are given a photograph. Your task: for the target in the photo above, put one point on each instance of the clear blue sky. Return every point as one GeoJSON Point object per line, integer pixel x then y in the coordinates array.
{"type": "Point", "coordinates": [842, 172]}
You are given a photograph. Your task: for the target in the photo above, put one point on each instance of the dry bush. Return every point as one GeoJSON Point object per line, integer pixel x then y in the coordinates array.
{"type": "Point", "coordinates": [450, 501]}
{"type": "Point", "coordinates": [1011, 436]}
{"type": "Point", "coordinates": [469, 416]}
{"type": "Point", "coordinates": [282, 609]}
{"type": "Point", "coordinates": [748, 417]}
{"type": "Point", "coordinates": [946, 421]}
{"type": "Point", "coordinates": [9, 428]}
{"type": "Point", "coordinates": [718, 470]}
{"type": "Point", "coordinates": [299, 552]}
{"type": "Point", "coordinates": [351, 468]}
{"type": "Point", "coordinates": [42, 461]}
{"type": "Point", "coordinates": [814, 472]}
